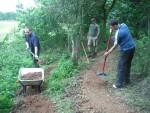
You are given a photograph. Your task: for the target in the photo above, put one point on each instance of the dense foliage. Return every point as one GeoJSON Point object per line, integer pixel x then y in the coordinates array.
{"type": "Point", "coordinates": [12, 58]}
{"type": "Point", "coordinates": [64, 24]}
{"type": "Point", "coordinates": [134, 13]}
{"type": "Point", "coordinates": [64, 70]}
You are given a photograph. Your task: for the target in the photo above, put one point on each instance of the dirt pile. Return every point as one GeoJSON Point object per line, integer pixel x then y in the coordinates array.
{"type": "Point", "coordinates": [33, 104]}
{"type": "Point", "coordinates": [32, 76]}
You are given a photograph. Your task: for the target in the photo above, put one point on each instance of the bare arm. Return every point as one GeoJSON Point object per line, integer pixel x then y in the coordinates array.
{"type": "Point", "coordinates": [111, 49]}
{"type": "Point", "coordinates": [36, 50]}
{"type": "Point", "coordinates": [27, 45]}
{"type": "Point", "coordinates": [114, 46]}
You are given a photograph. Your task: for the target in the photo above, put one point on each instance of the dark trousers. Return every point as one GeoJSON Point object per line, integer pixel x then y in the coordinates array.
{"type": "Point", "coordinates": [124, 66]}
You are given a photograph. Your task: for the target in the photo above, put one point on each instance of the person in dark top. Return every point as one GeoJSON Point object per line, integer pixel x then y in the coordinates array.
{"type": "Point", "coordinates": [32, 45]}
{"type": "Point", "coordinates": [124, 40]}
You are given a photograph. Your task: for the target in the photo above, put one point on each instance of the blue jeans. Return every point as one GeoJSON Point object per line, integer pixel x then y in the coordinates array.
{"type": "Point", "coordinates": [124, 66]}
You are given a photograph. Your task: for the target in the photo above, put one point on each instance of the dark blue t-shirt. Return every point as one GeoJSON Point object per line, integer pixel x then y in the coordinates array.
{"type": "Point", "coordinates": [33, 41]}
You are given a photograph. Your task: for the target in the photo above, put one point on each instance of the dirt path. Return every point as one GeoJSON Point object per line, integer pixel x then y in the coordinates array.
{"type": "Point", "coordinates": [97, 94]}
{"type": "Point", "coordinates": [91, 95]}
{"type": "Point", "coordinates": [34, 104]}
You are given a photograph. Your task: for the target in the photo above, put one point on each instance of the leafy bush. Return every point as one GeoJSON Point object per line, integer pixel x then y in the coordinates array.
{"type": "Point", "coordinates": [141, 68]}
{"type": "Point", "coordinates": [64, 70]}
{"type": "Point", "coordinates": [12, 57]}
{"type": "Point", "coordinates": [6, 104]}
{"type": "Point", "coordinates": [51, 55]}
{"type": "Point", "coordinates": [141, 62]}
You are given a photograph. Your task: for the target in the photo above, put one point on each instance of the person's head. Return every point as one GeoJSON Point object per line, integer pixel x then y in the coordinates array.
{"type": "Point", "coordinates": [93, 20]}
{"type": "Point", "coordinates": [114, 24]}
{"type": "Point", "coordinates": [27, 31]}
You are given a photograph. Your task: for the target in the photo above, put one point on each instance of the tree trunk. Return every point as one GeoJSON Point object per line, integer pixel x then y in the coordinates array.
{"type": "Point", "coordinates": [105, 14]}
{"type": "Point", "coordinates": [148, 27]}
{"type": "Point", "coordinates": [69, 41]}
{"type": "Point", "coordinates": [104, 29]}
{"type": "Point", "coordinates": [75, 50]}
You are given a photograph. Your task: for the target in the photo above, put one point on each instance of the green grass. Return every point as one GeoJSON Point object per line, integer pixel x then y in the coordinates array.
{"type": "Point", "coordinates": [12, 57]}
{"type": "Point", "coordinates": [60, 82]}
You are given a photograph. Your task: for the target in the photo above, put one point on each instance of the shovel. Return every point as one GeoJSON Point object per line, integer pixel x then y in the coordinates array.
{"type": "Point", "coordinates": [39, 61]}
{"type": "Point", "coordinates": [103, 70]}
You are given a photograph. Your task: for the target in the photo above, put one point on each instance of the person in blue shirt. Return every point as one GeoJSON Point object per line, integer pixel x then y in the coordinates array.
{"type": "Point", "coordinates": [124, 40]}
{"type": "Point", "coordinates": [33, 45]}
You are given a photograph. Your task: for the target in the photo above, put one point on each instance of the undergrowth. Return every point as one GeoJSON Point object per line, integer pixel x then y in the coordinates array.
{"type": "Point", "coordinates": [12, 57]}
{"type": "Point", "coordinates": [59, 81]}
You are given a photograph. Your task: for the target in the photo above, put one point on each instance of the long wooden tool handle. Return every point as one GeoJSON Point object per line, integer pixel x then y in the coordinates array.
{"type": "Point", "coordinates": [85, 52]}
{"type": "Point", "coordinates": [104, 64]}
{"type": "Point", "coordinates": [108, 44]}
